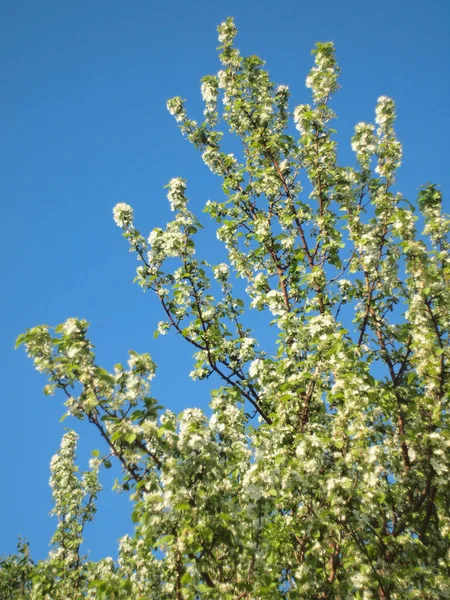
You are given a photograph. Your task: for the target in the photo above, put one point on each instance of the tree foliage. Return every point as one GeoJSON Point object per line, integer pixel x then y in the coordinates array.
{"type": "Point", "coordinates": [322, 471]}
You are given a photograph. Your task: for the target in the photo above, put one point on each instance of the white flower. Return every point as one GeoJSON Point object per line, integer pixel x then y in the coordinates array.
{"type": "Point", "coordinates": [199, 373]}
{"type": "Point", "coordinates": [227, 30]}
{"type": "Point", "coordinates": [344, 284]}
{"type": "Point", "coordinates": [246, 350]}
{"type": "Point", "coordinates": [94, 463]}
{"type": "Point", "coordinates": [254, 491]}
{"type": "Point", "coordinates": [255, 367]}
{"type": "Point", "coordinates": [360, 580]}
{"type": "Point", "coordinates": [154, 236]}
{"type": "Point", "coordinates": [275, 302]}
{"type": "Point", "coordinates": [123, 214]}
{"type": "Point", "coordinates": [71, 326]}
{"type": "Point", "coordinates": [209, 92]}
{"type": "Point", "coordinates": [302, 118]}
{"type": "Point", "coordinates": [176, 195]}
{"type": "Point", "coordinates": [176, 108]}
{"type": "Point", "coordinates": [221, 272]}
{"type": "Point", "coordinates": [385, 112]}
{"type": "Point", "coordinates": [163, 327]}
{"type": "Point", "coordinates": [222, 77]}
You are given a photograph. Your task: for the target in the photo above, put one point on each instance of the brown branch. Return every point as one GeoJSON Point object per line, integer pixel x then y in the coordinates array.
{"type": "Point", "coordinates": [179, 593]}
{"type": "Point", "coordinates": [428, 513]}
{"type": "Point", "coordinates": [400, 417]}
{"type": "Point", "coordinates": [370, 289]}
{"type": "Point", "coordinates": [334, 561]}
{"type": "Point", "coordinates": [93, 418]}
{"type": "Point", "coordinates": [211, 360]}
{"type": "Point", "coordinates": [274, 257]}
{"type": "Point", "coordinates": [441, 346]}
{"type": "Point", "coordinates": [304, 243]}
{"type": "Point", "coordinates": [307, 401]}
{"type": "Point", "coordinates": [153, 456]}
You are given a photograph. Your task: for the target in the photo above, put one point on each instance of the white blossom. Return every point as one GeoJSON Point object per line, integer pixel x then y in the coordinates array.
{"type": "Point", "coordinates": [176, 195]}
{"type": "Point", "coordinates": [123, 214]}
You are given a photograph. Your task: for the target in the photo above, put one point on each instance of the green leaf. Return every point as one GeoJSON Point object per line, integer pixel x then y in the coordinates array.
{"type": "Point", "coordinates": [410, 378]}
{"type": "Point", "coordinates": [137, 414]}
{"type": "Point", "coordinates": [135, 516]}
{"type": "Point", "coordinates": [202, 587]}
{"type": "Point", "coordinates": [20, 340]}
{"type": "Point", "coordinates": [116, 435]}
{"type": "Point", "coordinates": [186, 578]}
{"type": "Point", "coordinates": [126, 585]}
{"type": "Point", "coordinates": [166, 540]}
{"type": "Point", "coordinates": [94, 583]}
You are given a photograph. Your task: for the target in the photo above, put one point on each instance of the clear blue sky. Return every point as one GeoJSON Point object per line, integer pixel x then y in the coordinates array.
{"type": "Point", "coordinates": [84, 126]}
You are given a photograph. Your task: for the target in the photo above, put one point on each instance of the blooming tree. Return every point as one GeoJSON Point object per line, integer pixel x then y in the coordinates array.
{"type": "Point", "coordinates": [322, 471]}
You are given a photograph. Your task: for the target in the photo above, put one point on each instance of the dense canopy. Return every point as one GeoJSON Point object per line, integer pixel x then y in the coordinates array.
{"type": "Point", "coordinates": [322, 471]}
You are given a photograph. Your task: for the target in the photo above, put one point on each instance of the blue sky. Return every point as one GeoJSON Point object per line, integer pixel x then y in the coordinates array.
{"type": "Point", "coordinates": [84, 126]}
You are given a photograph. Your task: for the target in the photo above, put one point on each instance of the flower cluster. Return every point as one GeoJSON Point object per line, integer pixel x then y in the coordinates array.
{"type": "Point", "coordinates": [322, 78]}
{"type": "Point", "coordinates": [175, 106]}
{"type": "Point", "coordinates": [385, 113]}
{"type": "Point", "coordinates": [364, 143]}
{"type": "Point", "coordinates": [227, 32]}
{"type": "Point", "coordinates": [123, 214]}
{"type": "Point", "coordinates": [176, 194]}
